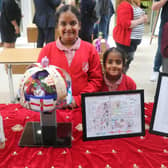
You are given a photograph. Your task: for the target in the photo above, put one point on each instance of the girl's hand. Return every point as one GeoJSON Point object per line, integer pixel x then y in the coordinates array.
{"type": "Point", "coordinates": [72, 105]}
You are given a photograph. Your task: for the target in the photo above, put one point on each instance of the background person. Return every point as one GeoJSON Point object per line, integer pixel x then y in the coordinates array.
{"type": "Point", "coordinates": [158, 57]}
{"type": "Point", "coordinates": [10, 22]}
{"type": "Point", "coordinates": [105, 10]}
{"type": "Point", "coordinates": [129, 27]}
{"type": "Point", "coordinates": [45, 20]}
{"type": "Point", "coordinates": [79, 58]}
{"type": "Point", "coordinates": [88, 18]}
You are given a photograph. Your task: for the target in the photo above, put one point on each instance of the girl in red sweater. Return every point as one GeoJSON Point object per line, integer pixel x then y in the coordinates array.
{"type": "Point", "coordinates": [79, 58]}
{"type": "Point", "coordinates": [114, 78]}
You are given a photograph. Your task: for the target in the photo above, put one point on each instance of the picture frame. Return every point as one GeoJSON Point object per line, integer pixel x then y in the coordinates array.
{"type": "Point", "coordinates": [159, 123]}
{"type": "Point", "coordinates": [2, 135]}
{"type": "Point", "coordinates": [117, 114]}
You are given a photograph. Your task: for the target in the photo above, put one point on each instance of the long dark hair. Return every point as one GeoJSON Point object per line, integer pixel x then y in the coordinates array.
{"type": "Point", "coordinates": [66, 8]}
{"type": "Point", "coordinates": [115, 50]}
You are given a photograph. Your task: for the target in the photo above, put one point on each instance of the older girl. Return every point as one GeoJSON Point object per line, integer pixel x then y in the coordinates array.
{"type": "Point", "coordinates": [79, 58]}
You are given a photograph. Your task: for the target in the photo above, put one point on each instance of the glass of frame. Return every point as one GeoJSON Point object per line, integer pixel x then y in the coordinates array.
{"type": "Point", "coordinates": [159, 120]}
{"type": "Point", "coordinates": [116, 114]}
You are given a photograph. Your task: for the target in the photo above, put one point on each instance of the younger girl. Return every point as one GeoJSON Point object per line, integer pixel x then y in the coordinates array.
{"type": "Point", "coordinates": [114, 78]}
{"type": "Point", "coordinates": [79, 58]}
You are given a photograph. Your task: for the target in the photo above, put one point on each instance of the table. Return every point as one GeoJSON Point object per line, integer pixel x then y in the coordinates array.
{"type": "Point", "coordinates": [17, 56]}
{"type": "Point", "coordinates": [32, 33]}
{"type": "Point", "coordinates": [149, 151]}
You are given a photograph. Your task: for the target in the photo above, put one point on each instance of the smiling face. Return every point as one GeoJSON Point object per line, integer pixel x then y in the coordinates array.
{"type": "Point", "coordinates": [114, 66]}
{"type": "Point", "coordinates": [68, 27]}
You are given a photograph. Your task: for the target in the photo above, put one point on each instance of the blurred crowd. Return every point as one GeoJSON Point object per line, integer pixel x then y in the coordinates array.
{"type": "Point", "coordinates": [95, 19]}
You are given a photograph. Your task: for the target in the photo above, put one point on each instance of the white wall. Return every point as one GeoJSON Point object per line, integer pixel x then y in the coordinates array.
{"type": "Point", "coordinates": [112, 21]}
{"type": "Point", "coordinates": [27, 12]}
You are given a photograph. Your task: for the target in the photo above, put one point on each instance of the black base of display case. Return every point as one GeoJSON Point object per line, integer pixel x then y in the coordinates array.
{"type": "Point", "coordinates": [35, 135]}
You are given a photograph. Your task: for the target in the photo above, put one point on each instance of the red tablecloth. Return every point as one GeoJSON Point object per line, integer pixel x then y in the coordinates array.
{"type": "Point", "coordinates": [149, 151]}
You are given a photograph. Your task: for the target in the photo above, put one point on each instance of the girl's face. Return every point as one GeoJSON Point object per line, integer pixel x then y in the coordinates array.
{"type": "Point", "coordinates": [68, 27]}
{"type": "Point", "coordinates": [114, 66]}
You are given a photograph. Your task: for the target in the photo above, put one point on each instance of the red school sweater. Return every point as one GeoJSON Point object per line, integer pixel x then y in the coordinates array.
{"type": "Point", "coordinates": [127, 83]}
{"type": "Point", "coordinates": [85, 69]}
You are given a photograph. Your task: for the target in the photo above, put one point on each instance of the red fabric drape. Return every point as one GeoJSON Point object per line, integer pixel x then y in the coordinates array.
{"type": "Point", "coordinates": [149, 151]}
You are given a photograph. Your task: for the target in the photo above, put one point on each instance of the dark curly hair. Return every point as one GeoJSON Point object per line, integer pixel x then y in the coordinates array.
{"type": "Point", "coordinates": [66, 8]}
{"type": "Point", "coordinates": [115, 50]}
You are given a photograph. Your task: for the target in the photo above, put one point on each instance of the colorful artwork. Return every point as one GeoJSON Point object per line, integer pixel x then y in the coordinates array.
{"type": "Point", "coordinates": [113, 115]}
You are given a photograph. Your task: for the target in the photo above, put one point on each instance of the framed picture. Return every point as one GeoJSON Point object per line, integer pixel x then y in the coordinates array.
{"type": "Point", "coordinates": [159, 120]}
{"type": "Point", "coordinates": [116, 114]}
{"type": "Point", "coordinates": [2, 135]}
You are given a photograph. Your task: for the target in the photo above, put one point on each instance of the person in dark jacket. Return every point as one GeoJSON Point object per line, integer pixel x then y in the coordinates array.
{"type": "Point", "coordinates": [104, 10]}
{"type": "Point", "coordinates": [88, 18]}
{"type": "Point", "coordinates": [0, 5]}
{"type": "Point", "coordinates": [45, 20]}
{"type": "Point", "coordinates": [9, 22]}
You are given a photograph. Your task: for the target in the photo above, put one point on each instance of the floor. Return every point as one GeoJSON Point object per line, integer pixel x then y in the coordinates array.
{"type": "Point", "coordinates": [140, 69]}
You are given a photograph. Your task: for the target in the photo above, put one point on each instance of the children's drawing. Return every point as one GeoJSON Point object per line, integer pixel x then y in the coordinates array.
{"type": "Point", "coordinates": [113, 115]}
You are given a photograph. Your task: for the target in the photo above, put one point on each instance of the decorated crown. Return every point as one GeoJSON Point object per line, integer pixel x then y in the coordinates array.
{"type": "Point", "coordinates": [45, 87]}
